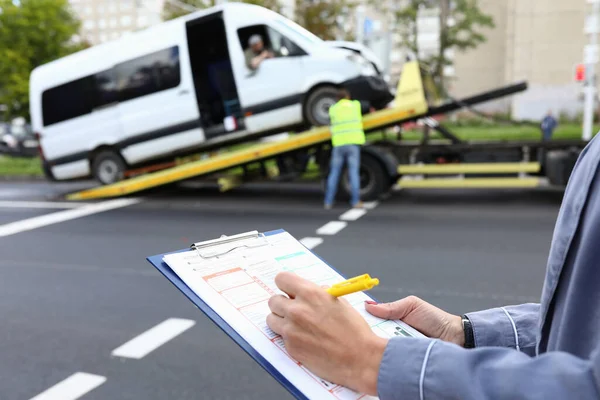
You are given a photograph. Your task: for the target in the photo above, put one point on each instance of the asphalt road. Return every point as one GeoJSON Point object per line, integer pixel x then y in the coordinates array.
{"type": "Point", "coordinates": [73, 291]}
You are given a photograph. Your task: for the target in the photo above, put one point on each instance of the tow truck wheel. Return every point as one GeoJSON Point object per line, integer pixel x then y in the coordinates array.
{"type": "Point", "coordinates": [108, 167]}
{"type": "Point", "coordinates": [374, 180]}
{"type": "Point", "coordinates": [316, 109]}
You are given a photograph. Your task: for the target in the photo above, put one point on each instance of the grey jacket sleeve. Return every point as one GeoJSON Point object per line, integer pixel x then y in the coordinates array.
{"type": "Point", "coordinates": [513, 326]}
{"type": "Point", "coordinates": [426, 369]}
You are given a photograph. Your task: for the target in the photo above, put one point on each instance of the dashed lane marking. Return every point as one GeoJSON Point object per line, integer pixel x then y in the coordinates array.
{"type": "Point", "coordinates": [353, 214]}
{"type": "Point", "coordinates": [62, 216]}
{"type": "Point", "coordinates": [142, 345]}
{"type": "Point", "coordinates": [72, 388]}
{"type": "Point", "coordinates": [331, 228]}
{"type": "Point", "coordinates": [371, 205]}
{"type": "Point", "coordinates": [311, 242]}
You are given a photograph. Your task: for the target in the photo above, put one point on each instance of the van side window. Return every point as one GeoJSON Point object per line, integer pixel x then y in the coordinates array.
{"type": "Point", "coordinates": [148, 74]}
{"type": "Point", "coordinates": [67, 101]}
{"type": "Point", "coordinates": [273, 40]}
{"type": "Point", "coordinates": [106, 88]}
{"type": "Point", "coordinates": [283, 46]}
{"type": "Point", "coordinates": [139, 77]}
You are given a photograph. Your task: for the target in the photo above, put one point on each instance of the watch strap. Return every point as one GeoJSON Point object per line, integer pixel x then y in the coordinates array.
{"type": "Point", "coordinates": [468, 330]}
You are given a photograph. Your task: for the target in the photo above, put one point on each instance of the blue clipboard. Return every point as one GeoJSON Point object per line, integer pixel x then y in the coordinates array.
{"type": "Point", "coordinates": [164, 269]}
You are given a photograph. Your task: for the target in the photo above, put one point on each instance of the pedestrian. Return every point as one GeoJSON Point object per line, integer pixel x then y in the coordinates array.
{"type": "Point", "coordinates": [347, 136]}
{"type": "Point", "coordinates": [547, 126]}
{"type": "Point", "coordinates": [544, 351]}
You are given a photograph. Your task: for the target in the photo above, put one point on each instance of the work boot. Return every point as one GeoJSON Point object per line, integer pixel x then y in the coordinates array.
{"type": "Point", "coordinates": [359, 205]}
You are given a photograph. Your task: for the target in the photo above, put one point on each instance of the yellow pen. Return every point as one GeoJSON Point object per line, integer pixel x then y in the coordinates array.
{"type": "Point", "coordinates": [356, 284]}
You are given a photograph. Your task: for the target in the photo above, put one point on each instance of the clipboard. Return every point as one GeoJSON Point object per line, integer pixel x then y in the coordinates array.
{"type": "Point", "coordinates": [163, 268]}
{"type": "Point", "coordinates": [222, 247]}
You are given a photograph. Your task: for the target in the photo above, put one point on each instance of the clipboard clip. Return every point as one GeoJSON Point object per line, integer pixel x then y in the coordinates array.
{"type": "Point", "coordinates": [203, 248]}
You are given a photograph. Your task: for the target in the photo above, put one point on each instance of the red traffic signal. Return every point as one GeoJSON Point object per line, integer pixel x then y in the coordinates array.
{"type": "Point", "coordinates": [580, 72]}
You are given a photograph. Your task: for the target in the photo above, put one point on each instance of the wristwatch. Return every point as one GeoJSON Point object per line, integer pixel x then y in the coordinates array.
{"type": "Point", "coordinates": [468, 329]}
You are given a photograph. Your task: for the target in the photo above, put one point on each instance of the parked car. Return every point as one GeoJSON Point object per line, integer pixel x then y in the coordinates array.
{"type": "Point", "coordinates": [18, 140]}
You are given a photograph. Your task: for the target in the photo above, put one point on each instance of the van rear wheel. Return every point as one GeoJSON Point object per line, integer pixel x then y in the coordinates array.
{"type": "Point", "coordinates": [316, 108]}
{"type": "Point", "coordinates": [108, 167]}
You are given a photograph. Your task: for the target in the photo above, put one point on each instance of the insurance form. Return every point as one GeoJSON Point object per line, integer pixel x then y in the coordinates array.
{"type": "Point", "coordinates": [236, 279]}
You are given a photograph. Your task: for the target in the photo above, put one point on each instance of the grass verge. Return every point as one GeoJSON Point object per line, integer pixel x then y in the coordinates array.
{"type": "Point", "coordinates": [505, 132]}
{"type": "Point", "coordinates": [20, 167]}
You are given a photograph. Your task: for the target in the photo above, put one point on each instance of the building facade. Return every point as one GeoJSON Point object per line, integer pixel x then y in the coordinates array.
{"type": "Point", "coordinates": [537, 41]}
{"type": "Point", "coordinates": [104, 20]}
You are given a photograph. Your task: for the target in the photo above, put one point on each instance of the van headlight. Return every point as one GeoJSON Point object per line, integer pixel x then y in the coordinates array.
{"type": "Point", "coordinates": [365, 67]}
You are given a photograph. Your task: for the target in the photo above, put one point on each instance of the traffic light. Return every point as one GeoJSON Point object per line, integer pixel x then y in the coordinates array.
{"type": "Point", "coordinates": [580, 72]}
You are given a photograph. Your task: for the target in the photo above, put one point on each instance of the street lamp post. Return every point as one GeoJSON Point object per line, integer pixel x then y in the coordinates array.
{"type": "Point", "coordinates": [592, 28]}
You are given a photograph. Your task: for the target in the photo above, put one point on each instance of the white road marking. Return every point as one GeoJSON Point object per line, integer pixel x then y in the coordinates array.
{"type": "Point", "coordinates": [331, 228]}
{"type": "Point", "coordinates": [72, 388]}
{"type": "Point", "coordinates": [371, 205]}
{"type": "Point", "coordinates": [353, 214]}
{"type": "Point", "coordinates": [62, 216]}
{"type": "Point", "coordinates": [311, 242]}
{"type": "Point", "coordinates": [142, 345]}
{"type": "Point", "coordinates": [39, 204]}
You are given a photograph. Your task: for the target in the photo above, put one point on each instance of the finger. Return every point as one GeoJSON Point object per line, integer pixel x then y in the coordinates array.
{"type": "Point", "coordinates": [290, 283]}
{"type": "Point", "coordinates": [279, 305]}
{"type": "Point", "coordinates": [275, 323]}
{"type": "Point", "coordinates": [396, 310]}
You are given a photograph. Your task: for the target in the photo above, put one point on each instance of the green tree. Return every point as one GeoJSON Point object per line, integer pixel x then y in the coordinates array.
{"type": "Point", "coordinates": [32, 33]}
{"type": "Point", "coordinates": [461, 25]}
{"type": "Point", "coordinates": [177, 8]}
{"type": "Point", "coordinates": [321, 17]}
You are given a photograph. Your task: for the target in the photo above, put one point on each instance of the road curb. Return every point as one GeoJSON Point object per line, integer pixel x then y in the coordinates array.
{"type": "Point", "coordinates": [21, 178]}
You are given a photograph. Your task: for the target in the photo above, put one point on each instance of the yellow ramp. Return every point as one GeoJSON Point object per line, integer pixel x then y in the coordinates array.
{"type": "Point", "coordinates": [202, 167]}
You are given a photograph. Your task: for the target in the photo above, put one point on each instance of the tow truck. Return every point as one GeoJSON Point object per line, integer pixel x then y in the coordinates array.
{"type": "Point", "coordinates": [385, 162]}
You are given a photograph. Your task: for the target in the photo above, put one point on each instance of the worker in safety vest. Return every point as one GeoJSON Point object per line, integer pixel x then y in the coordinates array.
{"type": "Point", "coordinates": [347, 136]}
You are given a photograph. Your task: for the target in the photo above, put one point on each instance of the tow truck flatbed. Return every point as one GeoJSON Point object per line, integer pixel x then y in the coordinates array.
{"type": "Point", "coordinates": [234, 159]}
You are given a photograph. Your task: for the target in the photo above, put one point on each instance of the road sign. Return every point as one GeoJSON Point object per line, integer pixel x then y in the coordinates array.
{"type": "Point", "coordinates": [590, 54]}
{"type": "Point", "coordinates": [580, 72]}
{"type": "Point", "coordinates": [368, 26]}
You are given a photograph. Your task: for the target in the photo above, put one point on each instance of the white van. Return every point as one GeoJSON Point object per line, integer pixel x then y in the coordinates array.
{"type": "Point", "coordinates": [183, 85]}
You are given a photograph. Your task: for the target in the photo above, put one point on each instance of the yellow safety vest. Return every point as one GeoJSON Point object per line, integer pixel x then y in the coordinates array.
{"type": "Point", "coordinates": [346, 123]}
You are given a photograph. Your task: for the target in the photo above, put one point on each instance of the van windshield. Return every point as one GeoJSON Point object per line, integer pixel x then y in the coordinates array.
{"type": "Point", "coordinates": [292, 26]}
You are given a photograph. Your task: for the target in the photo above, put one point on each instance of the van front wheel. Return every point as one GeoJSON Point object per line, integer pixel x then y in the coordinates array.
{"type": "Point", "coordinates": [108, 167]}
{"type": "Point", "coordinates": [316, 108]}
